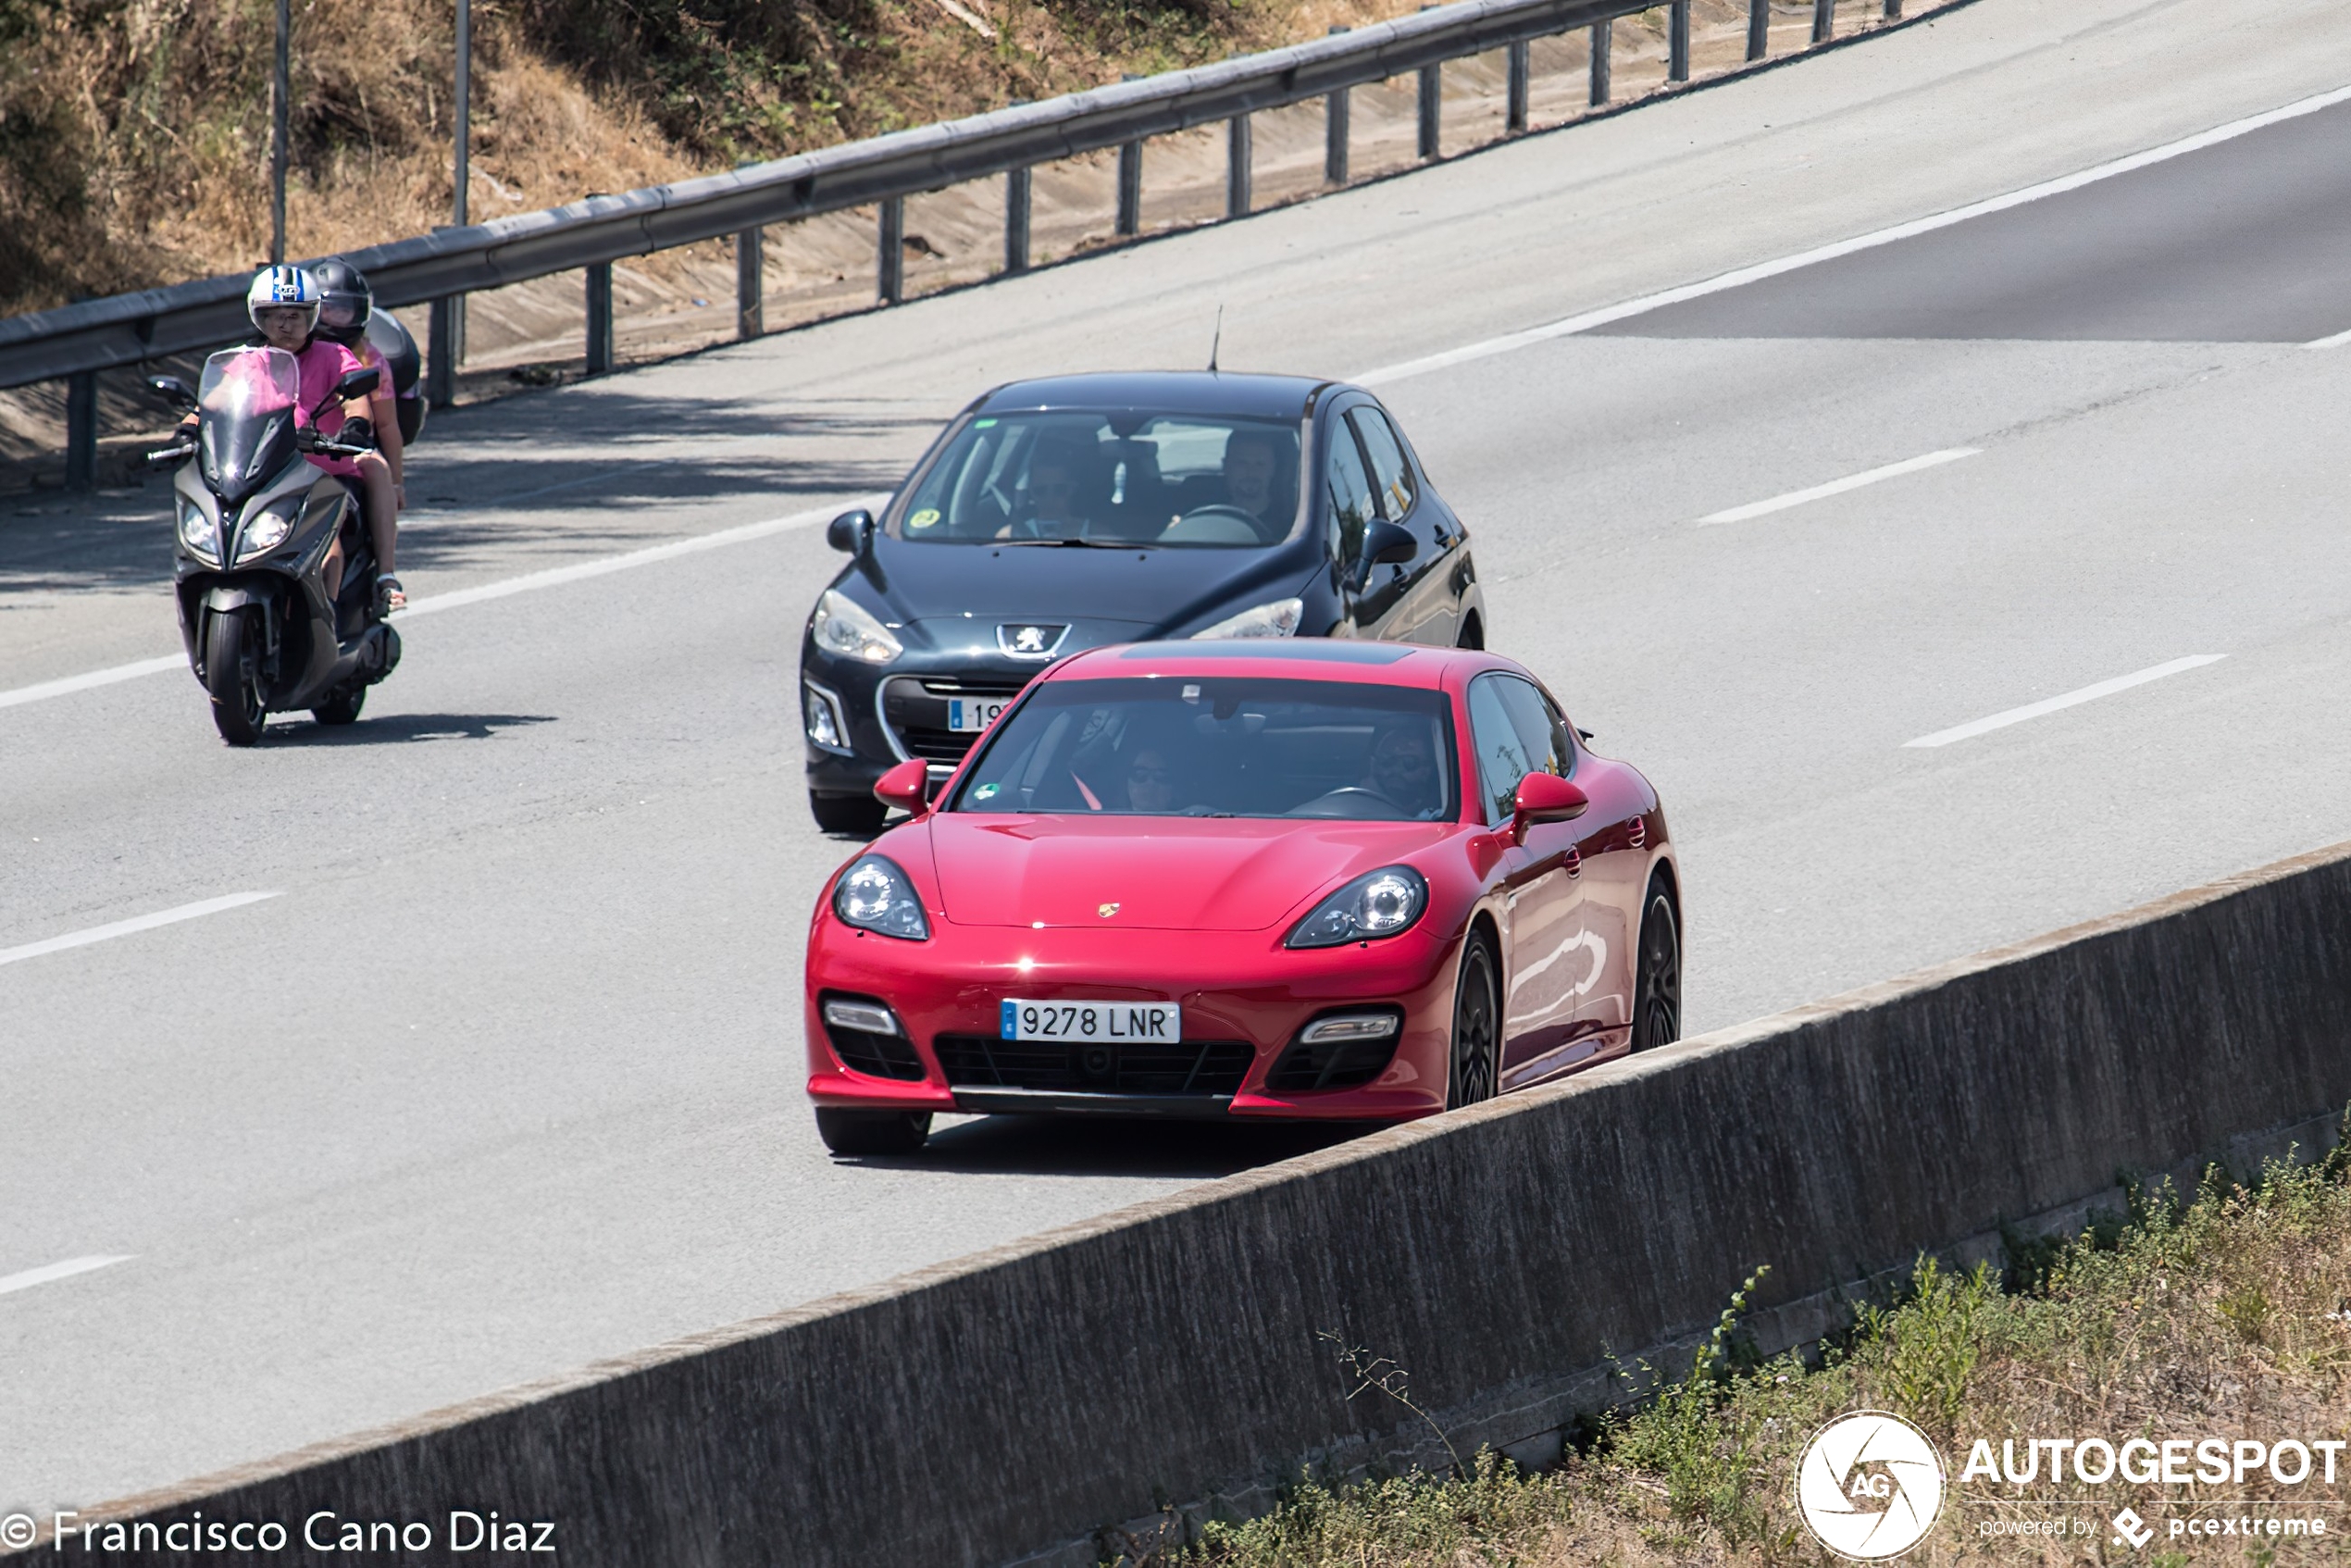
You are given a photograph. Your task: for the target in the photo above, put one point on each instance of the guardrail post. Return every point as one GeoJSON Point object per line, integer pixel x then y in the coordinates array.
{"type": "Point", "coordinates": [1237, 167]}
{"type": "Point", "coordinates": [1336, 129]}
{"type": "Point", "coordinates": [1016, 188]}
{"type": "Point", "coordinates": [889, 257]}
{"type": "Point", "coordinates": [1824, 20]}
{"type": "Point", "coordinates": [1514, 90]}
{"type": "Point", "coordinates": [1758, 28]}
{"type": "Point", "coordinates": [1601, 32]}
{"type": "Point", "coordinates": [440, 353]}
{"type": "Point", "coordinates": [1130, 180]}
{"type": "Point", "coordinates": [1677, 64]}
{"type": "Point", "coordinates": [1894, 10]}
{"type": "Point", "coordinates": [1130, 188]}
{"type": "Point", "coordinates": [599, 319]}
{"type": "Point", "coordinates": [751, 283]}
{"type": "Point", "coordinates": [82, 430]}
{"type": "Point", "coordinates": [1432, 107]}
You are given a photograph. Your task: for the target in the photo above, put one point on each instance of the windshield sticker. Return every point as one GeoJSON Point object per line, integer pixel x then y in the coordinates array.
{"type": "Point", "coordinates": [925, 518]}
{"type": "Point", "coordinates": [986, 791]}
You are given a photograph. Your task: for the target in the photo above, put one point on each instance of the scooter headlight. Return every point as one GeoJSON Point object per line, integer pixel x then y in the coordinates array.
{"type": "Point", "coordinates": [267, 532]}
{"type": "Point", "coordinates": [198, 533]}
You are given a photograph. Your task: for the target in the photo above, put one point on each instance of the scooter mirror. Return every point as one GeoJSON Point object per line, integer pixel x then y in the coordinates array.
{"type": "Point", "coordinates": [358, 383]}
{"type": "Point", "coordinates": [173, 391]}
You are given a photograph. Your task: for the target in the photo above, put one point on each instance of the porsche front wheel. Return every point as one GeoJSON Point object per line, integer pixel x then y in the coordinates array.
{"type": "Point", "coordinates": [872, 1132]}
{"type": "Point", "coordinates": [1476, 1015]}
{"type": "Point", "coordinates": [1656, 986]}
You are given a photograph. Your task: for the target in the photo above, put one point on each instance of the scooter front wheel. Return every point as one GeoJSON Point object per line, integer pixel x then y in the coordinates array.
{"type": "Point", "coordinates": [232, 674]}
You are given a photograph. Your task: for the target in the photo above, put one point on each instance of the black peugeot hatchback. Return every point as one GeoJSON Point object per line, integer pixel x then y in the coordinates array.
{"type": "Point", "coordinates": [1061, 514]}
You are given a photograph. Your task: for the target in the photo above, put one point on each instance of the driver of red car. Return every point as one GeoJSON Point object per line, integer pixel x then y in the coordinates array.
{"type": "Point", "coordinates": [1402, 766]}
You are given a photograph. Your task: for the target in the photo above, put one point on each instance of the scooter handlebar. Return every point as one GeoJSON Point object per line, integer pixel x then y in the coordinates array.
{"type": "Point", "coordinates": [164, 454]}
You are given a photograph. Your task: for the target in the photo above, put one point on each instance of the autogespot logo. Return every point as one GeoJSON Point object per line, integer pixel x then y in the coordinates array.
{"type": "Point", "coordinates": [1870, 1485]}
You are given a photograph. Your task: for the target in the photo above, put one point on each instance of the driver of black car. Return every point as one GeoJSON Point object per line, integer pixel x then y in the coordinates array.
{"type": "Point", "coordinates": [1053, 504]}
{"type": "Point", "coordinates": [1253, 466]}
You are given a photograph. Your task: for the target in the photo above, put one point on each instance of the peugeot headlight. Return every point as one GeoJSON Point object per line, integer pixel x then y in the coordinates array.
{"type": "Point", "coordinates": [875, 895]}
{"type": "Point", "coordinates": [844, 627]}
{"type": "Point", "coordinates": [268, 531]}
{"type": "Point", "coordinates": [197, 531]}
{"type": "Point", "coordinates": [1378, 903]}
{"type": "Point", "coordinates": [1277, 619]}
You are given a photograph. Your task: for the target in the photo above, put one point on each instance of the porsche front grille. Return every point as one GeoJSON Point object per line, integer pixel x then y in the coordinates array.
{"type": "Point", "coordinates": [1203, 1067]}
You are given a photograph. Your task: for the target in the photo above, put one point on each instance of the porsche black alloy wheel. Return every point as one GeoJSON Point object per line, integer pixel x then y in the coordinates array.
{"type": "Point", "coordinates": [1477, 1027]}
{"type": "Point", "coordinates": [1657, 994]}
{"type": "Point", "coordinates": [872, 1132]}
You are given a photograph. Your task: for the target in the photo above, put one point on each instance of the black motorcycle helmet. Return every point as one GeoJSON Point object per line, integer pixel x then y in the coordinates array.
{"type": "Point", "coordinates": [344, 311]}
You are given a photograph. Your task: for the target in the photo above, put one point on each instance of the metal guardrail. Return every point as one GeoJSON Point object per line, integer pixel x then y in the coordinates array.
{"type": "Point", "coordinates": [75, 343]}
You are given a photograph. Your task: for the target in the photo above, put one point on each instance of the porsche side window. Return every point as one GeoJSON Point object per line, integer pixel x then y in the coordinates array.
{"type": "Point", "coordinates": [1503, 757]}
{"type": "Point", "coordinates": [1350, 487]}
{"type": "Point", "coordinates": [1390, 471]}
{"type": "Point", "coordinates": [1540, 730]}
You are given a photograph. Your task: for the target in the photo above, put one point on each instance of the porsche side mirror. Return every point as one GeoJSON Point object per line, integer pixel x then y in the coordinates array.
{"type": "Point", "coordinates": [173, 391]}
{"type": "Point", "coordinates": [849, 532]}
{"type": "Point", "coordinates": [1385, 542]}
{"type": "Point", "coordinates": [907, 787]}
{"type": "Point", "coordinates": [1544, 796]}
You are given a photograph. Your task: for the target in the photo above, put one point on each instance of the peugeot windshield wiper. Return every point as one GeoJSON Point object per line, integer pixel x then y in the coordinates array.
{"type": "Point", "coordinates": [1085, 543]}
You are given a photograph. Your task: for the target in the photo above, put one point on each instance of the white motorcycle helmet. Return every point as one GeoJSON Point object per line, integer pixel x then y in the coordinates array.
{"type": "Point", "coordinates": [283, 288]}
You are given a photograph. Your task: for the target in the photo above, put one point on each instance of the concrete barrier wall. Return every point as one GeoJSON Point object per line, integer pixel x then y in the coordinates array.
{"type": "Point", "coordinates": [1005, 1404]}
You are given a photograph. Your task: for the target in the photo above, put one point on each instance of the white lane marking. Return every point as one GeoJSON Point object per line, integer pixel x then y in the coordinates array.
{"type": "Point", "coordinates": [2335, 342]}
{"type": "Point", "coordinates": [2071, 699]}
{"type": "Point", "coordinates": [73, 683]}
{"type": "Point", "coordinates": [1838, 487]}
{"type": "Point", "coordinates": [130, 927]}
{"type": "Point", "coordinates": [579, 571]}
{"type": "Point", "coordinates": [1508, 341]}
{"type": "Point", "coordinates": [65, 1270]}
{"type": "Point", "coordinates": [527, 583]}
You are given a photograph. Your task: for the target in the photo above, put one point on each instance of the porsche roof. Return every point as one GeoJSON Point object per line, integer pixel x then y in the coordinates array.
{"type": "Point", "coordinates": [1303, 658]}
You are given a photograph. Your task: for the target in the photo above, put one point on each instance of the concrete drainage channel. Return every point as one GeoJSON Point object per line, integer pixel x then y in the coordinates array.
{"type": "Point", "coordinates": [1006, 1407]}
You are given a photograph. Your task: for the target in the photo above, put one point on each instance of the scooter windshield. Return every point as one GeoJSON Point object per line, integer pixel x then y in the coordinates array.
{"type": "Point", "coordinates": [246, 409]}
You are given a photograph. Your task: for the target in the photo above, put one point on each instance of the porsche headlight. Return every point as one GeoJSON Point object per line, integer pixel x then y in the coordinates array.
{"type": "Point", "coordinates": [268, 531]}
{"type": "Point", "coordinates": [875, 895]}
{"type": "Point", "coordinates": [1277, 619]}
{"type": "Point", "coordinates": [1378, 903]}
{"type": "Point", "coordinates": [197, 532]}
{"type": "Point", "coordinates": [844, 627]}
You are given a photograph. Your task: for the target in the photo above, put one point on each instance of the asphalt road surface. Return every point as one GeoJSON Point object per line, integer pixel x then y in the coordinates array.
{"type": "Point", "coordinates": [1952, 590]}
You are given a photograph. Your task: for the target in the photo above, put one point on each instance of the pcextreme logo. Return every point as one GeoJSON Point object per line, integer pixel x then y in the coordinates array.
{"type": "Point", "coordinates": [1870, 1485]}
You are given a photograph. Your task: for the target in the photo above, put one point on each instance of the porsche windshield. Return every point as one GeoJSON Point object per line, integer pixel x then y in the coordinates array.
{"type": "Point", "coordinates": [1118, 476]}
{"type": "Point", "coordinates": [1211, 747]}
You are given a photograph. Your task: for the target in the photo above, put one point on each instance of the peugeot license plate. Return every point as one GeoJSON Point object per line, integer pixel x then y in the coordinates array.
{"type": "Point", "coordinates": [969, 716]}
{"type": "Point", "coordinates": [1094, 1023]}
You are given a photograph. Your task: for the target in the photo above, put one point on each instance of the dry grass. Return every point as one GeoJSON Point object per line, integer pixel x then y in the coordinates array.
{"type": "Point", "coordinates": [2226, 1317]}
{"type": "Point", "coordinates": [134, 134]}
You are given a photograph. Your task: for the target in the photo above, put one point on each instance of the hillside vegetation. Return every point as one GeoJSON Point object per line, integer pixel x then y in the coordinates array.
{"type": "Point", "coordinates": [134, 134]}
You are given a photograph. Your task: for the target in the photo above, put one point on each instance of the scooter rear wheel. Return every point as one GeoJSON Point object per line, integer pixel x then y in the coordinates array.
{"type": "Point", "coordinates": [343, 708]}
{"type": "Point", "coordinates": [232, 674]}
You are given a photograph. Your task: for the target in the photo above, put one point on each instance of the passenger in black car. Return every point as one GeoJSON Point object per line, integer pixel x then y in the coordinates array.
{"type": "Point", "coordinates": [1054, 505]}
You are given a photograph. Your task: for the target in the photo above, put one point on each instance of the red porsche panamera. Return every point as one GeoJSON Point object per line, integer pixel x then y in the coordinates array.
{"type": "Point", "coordinates": [1317, 878]}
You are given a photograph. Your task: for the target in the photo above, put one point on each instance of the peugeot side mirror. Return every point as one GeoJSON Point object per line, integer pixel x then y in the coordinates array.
{"type": "Point", "coordinates": [173, 391]}
{"type": "Point", "coordinates": [1385, 542]}
{"type": "Point", "coordinates": [849, 532]}
{"type": "Point", "coordinates": [1544, 796]}
{"type": "Point", "coordinates": [907, 787]}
